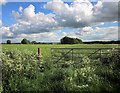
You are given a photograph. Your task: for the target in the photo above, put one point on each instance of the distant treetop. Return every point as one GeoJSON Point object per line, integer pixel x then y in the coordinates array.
{"type": "Point", "coordinates": [68, 40]}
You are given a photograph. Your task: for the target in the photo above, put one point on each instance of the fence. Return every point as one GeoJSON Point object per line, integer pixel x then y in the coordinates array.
{"type": "Point", "coordinates": [77, 54]}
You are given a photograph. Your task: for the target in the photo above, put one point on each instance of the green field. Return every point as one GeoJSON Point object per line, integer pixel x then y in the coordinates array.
{"type": "Point", "coordinates": [22, 72]}
{"type": "Point", "coordinates": [46, 48]}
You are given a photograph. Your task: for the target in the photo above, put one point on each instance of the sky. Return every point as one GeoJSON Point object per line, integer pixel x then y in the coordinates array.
{"type": "Point", "coordinates": [52, 20]}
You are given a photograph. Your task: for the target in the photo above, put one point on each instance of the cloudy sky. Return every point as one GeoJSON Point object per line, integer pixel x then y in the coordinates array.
{"type": "Point", "coordinates": [52, 20]}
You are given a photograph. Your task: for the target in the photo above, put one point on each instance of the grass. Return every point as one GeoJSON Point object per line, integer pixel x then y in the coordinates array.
{"type": "Point", "coordinates": [22, 73]}
{"type": "Point", "coordinates": [46, 48]}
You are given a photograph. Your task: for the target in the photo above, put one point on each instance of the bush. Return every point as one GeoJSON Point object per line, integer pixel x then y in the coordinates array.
{"type": "Point", "coordinates": [21, 72]}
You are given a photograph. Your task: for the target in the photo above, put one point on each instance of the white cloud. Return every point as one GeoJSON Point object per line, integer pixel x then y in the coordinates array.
{"type": "Point", "coordinates": [69, 34]}
{"type": "Point", "coordinates": [115, 22]}
{"type": "Point", "coordinates": [98, 6]}
{"type": "Point", "coordinates": [5, 32]}
{"type": "Point", "coordinates": [29, 12]}
{"type": "Point", "coordinates": [30, 22]}
{"type": "Point", "coordinates": [102, 23]}
{"type": "Point", "coordinates": [40, 37]}
{"type": "Point", "coordinates": [110, 0]}
{"type": "Point", "coordinates": [2, 2]}
{"type": "Point", "coordinates": [108, 12]}
{"type": "Point", "coordinates": [0, 23]}
{"type": "Point", "coordinates": [106, 33]}
{"type": "Point", "coordinates": [86, 29]}
{"type": "Point", "coordinates": [83, 13]}
{"type": "Point", "coordinates": [20, 9]}
{"type": "Point", "coordinates": [79, 14]}
{"type": "Point", "coordinates": [52, 35]}
{"type": "Point", "coordinates": [64, 33]}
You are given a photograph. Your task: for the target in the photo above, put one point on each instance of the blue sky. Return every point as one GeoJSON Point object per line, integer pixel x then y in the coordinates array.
{"type": "Point", "coordinates": [57, 29]}
{"type": "Point", "coordinates": [10, 6]}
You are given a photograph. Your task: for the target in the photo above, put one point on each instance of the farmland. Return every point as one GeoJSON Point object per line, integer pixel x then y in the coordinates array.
{"type": "Point", "coordinates": [23, 73]}
{"type": "Point", "coordinates": [46, 48]}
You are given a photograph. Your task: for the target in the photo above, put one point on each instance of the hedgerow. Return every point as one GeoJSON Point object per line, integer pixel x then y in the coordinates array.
{"type": "Point", "coordinates": [21, 71]}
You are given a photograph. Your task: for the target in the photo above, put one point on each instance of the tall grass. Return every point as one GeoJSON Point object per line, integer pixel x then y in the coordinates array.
{"type": "Point", "coordinates": [46, 48]}
{"type": "Point", "coordinates": [23, 72]}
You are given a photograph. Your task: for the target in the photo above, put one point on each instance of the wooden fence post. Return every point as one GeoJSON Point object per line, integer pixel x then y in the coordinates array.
{"type": "Point", "coordinates": [39, 54]}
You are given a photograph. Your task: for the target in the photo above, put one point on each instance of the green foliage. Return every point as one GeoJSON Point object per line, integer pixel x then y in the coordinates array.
{"type": "Point", "coordinates": [33, 42]}
{"type": "Point", "coordinates": [25, 41]}
{"type": "Point", "coordinates": [8, 41]}
{"type": "Point", "coordinates": [19, 70]}
{"type": "Point", "coordinates": [110, 73]}
{"type": "Point", "coordinates": [46, 48]}
{"type": "Point", "coordinates": [68, 40]}
{"type": "Point", "coordinates": [22, 72]}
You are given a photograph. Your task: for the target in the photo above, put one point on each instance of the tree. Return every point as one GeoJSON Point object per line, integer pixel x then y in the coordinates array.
{"type": "Point", "coordinates": [65, 40]}
{"type": "Point", "coordinates": [8, 41]}
{"type": "Point", "coordinates": [25, 41]}
{"type": "Point", "coordinates": [33, 42]}
{"type": "Point", "coordinates": [78, 41]}
{"type": "Point", "coordinates": [68, 40]}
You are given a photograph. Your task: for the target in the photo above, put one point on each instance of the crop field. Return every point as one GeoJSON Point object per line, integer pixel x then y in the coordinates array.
{"type": "Point", "coordinates": [21, 71]}
{"type": "Point", "coordinates": [46, 48]}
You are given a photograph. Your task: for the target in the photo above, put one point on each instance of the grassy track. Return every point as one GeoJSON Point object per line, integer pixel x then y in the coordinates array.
{"type": "Point", "coordinates": [46, 48]}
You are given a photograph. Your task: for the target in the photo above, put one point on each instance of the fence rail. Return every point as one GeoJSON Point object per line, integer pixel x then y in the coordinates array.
{"type": "Point", "coordinates": [76, 54]}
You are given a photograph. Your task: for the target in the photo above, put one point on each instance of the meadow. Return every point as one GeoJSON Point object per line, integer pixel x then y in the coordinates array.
{"type": "Point", "coordinates": [46, 48]}
{"type": "Point", "coordinates": [21, 71]}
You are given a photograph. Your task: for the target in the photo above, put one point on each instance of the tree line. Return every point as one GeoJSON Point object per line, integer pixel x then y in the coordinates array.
{"type": "Point", "coordinates": [103, 42]}
{"type": "Point", "coordinates": [66, 40]}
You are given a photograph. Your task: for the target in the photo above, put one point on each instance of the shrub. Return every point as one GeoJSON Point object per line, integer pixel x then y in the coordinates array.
{"type": "Point", "coordinates": [21, 72]}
